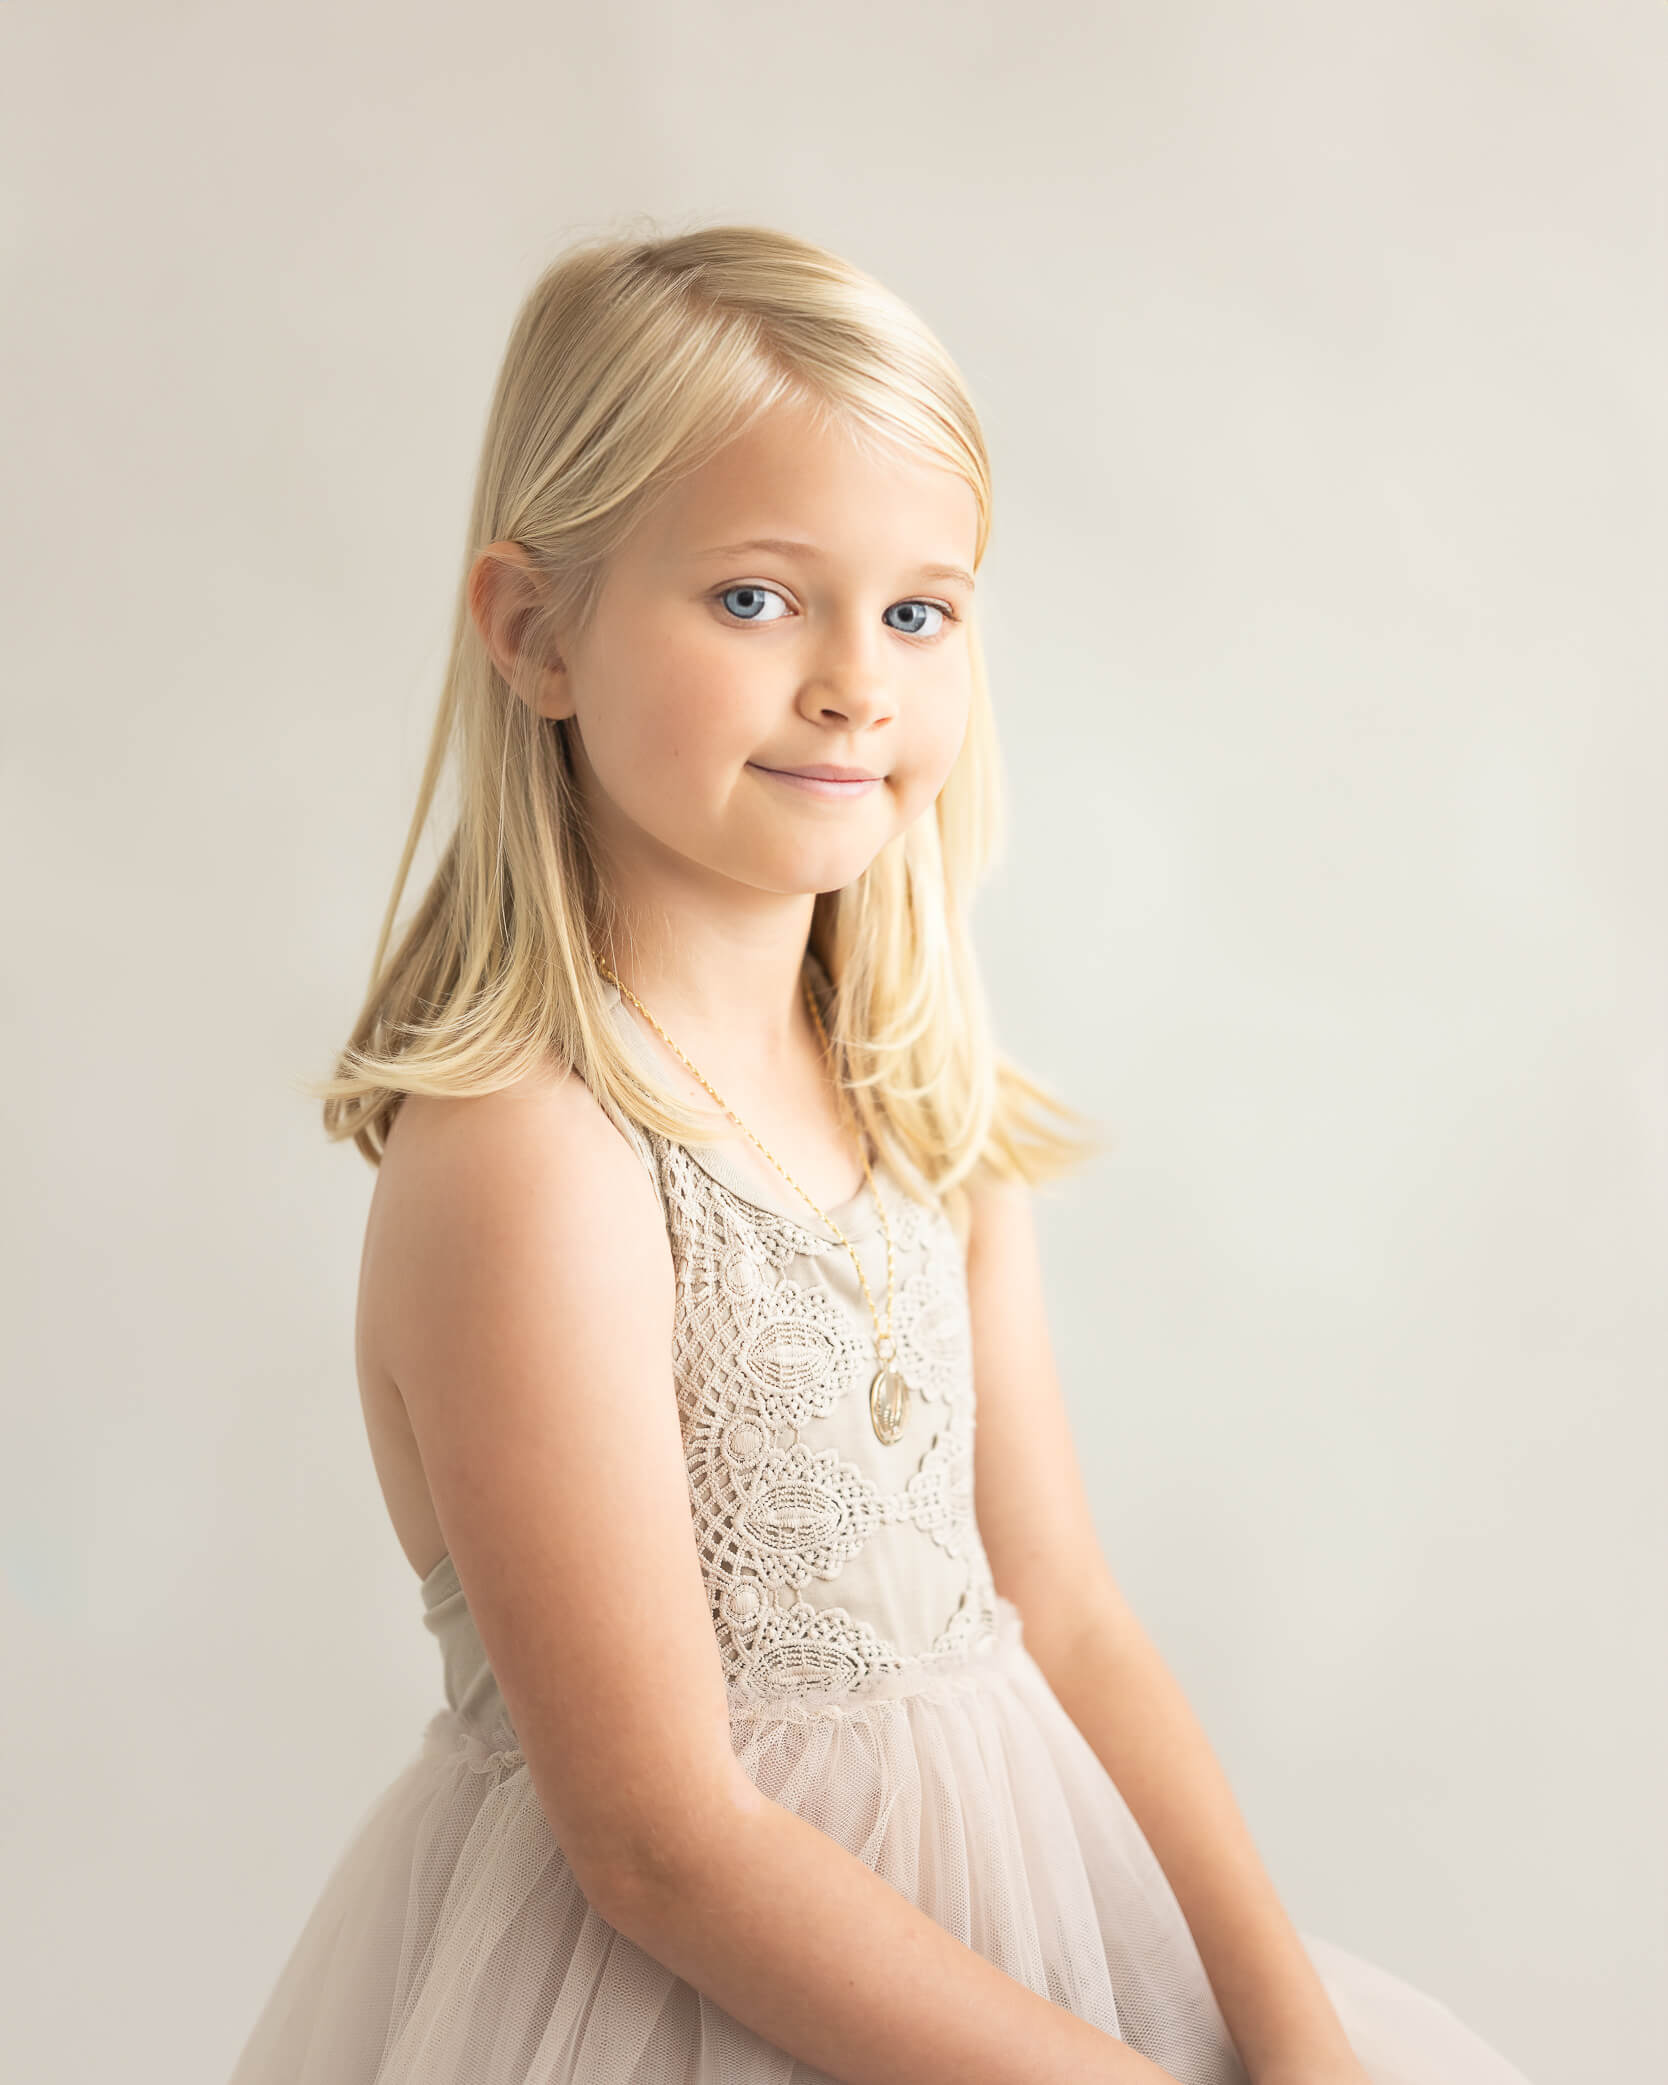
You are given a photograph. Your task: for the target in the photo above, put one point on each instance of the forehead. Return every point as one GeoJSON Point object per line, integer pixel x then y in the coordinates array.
{"type": "Point", "coordinates": [791, 479]}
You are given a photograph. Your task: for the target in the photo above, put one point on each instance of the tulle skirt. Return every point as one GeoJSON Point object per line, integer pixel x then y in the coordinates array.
{"type": "Point", "coordinates": [451, 1945]}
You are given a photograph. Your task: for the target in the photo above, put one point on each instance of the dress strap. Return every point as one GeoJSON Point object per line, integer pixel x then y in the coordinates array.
{"type": "Point", "coordinates": [639, 1142]}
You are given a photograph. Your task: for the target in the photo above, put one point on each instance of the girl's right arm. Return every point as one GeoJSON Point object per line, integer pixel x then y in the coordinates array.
{"type": "Point", "coordinates": [520, 1291]}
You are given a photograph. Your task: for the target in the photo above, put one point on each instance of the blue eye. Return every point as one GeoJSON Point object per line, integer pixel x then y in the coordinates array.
{"type": "Point", "coordinates": [751, 599]}
{"type": "Point", "coordinates": [942, 613]}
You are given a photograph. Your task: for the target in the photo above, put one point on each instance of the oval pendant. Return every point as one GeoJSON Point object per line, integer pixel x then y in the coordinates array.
{"type": "Point", "coordinates": [888, 1401]}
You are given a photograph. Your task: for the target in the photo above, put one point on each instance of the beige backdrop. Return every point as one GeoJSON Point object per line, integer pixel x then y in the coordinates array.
{"type": "Point", "coordinates": [1320, 351]}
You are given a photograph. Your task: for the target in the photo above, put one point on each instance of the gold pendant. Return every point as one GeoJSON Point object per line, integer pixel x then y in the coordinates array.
{"type": "Point", "coordinates": [888, 1397]}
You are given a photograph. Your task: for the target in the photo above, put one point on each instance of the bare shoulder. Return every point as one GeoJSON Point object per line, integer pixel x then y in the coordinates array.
{"type": "Point", "coordinates": [479, 1140]}
{"type": "Point", "coordinates": [533, 1177]}
{"type": "Point", "coordinates": [520, 1175]}
{"type": "Point", "coordinates": [995, 1204]}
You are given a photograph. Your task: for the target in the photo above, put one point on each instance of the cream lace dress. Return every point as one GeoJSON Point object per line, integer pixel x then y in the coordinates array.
{"type": "Point", "coordinates": [879, 1686]}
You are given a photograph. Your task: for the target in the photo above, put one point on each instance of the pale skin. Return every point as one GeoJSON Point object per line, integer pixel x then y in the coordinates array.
{"type": "Point", "coordinates": [516, 1306]}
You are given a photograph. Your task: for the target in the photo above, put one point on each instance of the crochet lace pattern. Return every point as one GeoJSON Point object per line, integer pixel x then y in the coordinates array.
{"type": "Point", "coordinates": [761, 1354]}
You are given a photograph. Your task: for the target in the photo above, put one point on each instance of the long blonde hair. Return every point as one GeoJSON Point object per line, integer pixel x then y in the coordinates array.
{"type": "Point", "coordinates": [633, 360]}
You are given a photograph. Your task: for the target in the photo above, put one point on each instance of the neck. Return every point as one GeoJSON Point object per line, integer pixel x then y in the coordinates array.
{"type": "Point", "coordinates": [743, 1003]}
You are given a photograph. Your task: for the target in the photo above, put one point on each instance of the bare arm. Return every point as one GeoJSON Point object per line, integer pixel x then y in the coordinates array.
{"type": "Point", "coordinates": [1044, 1554]}
{"type": "Point", "coordinates": [1128, 1704]}
{"type": "Point", "coordinates": [523, 1298]}
{"type": "Point", "coordinates": [796, 1937]}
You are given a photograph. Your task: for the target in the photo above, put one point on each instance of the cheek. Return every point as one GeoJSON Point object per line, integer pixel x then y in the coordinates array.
{"type": "Point", "coordinates": [943, 731]}
{"type": "Point", "coordinates": [704, 702]}
{"type": "Point", "coordinates": [676, 710]}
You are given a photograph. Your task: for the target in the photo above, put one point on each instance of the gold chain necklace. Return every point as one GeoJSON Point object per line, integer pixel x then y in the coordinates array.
{"type": "Point", "coordinates": [888, 1390]}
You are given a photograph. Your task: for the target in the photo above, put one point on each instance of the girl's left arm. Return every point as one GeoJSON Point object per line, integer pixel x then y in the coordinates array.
{"type": "Point", "coordinates": [1040, 1537]}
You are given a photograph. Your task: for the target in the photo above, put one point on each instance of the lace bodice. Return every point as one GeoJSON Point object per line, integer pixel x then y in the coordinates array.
{"type": "Point", "coordinates": [833, 1562]}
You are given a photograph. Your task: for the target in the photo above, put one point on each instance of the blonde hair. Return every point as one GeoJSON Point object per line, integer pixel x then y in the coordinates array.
{"type": "Point", "coordinates": [631, 362]}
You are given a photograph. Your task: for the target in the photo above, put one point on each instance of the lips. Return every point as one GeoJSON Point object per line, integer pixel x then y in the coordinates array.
{"type": "Point", "coordinates": [828, 774]}
{"type": "Point", "coordinates": [833, 783]}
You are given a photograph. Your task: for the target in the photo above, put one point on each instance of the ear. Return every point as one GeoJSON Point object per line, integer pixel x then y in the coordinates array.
{"type": "Point", "coordinates": [504, 600]}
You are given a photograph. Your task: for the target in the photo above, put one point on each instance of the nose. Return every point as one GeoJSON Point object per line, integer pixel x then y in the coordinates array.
{"type": "Point", "coordinates": [847, 681]}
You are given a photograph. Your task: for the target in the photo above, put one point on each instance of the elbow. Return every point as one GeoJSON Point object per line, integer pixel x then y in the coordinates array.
{"type": "Point", "coordinates": [647, 1865]}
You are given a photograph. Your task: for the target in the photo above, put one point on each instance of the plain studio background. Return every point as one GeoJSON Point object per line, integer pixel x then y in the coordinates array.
{"type": "Point", "coordinates": [1320, 352]}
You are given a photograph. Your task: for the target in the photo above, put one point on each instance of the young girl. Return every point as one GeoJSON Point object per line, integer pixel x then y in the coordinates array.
{"type": "Point", "coordinates": [793, 1730]}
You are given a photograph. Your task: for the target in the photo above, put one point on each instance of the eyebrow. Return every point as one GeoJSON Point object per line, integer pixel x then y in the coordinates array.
{"type": "Point", "coordinates": [788, 546]}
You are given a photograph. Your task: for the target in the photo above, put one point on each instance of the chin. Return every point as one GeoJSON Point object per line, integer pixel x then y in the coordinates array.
{"type": "Point", "coordinates": [812, 878]}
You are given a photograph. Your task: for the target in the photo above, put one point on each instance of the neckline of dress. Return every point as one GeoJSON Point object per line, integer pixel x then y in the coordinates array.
{"type": "Point", "coordinates": [858, 1216]}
